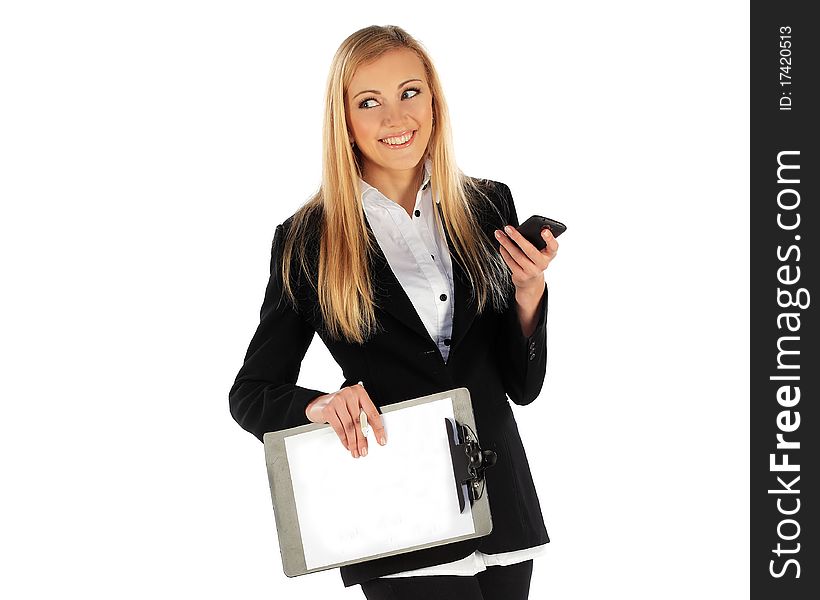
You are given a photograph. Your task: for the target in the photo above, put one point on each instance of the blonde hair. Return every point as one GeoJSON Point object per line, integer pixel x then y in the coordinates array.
{"type": "Point", "coordinates": [344, 280]}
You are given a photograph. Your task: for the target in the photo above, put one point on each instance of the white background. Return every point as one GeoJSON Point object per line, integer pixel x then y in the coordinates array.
{"type": "Point", "coordinates": [147, 151]}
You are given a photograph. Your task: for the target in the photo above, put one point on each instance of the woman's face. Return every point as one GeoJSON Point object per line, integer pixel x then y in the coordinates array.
{"type": "Point", "coordinates": [388, 100]}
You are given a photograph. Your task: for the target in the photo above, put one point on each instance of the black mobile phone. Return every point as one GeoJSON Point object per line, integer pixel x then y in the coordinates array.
{"type": "Point", "coordinates": [531, 229]}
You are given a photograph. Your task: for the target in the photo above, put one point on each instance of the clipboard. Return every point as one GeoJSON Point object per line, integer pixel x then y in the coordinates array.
{"type": "Point", "coordinates": [402, 500]}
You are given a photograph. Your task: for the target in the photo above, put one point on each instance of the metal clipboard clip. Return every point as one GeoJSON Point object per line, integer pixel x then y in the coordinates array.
{"type": "Point", "coordinates": [469, 461]}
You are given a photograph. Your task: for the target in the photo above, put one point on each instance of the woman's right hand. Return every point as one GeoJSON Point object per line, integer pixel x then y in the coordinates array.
{"type": "Point", "coordinates": [341, 410]}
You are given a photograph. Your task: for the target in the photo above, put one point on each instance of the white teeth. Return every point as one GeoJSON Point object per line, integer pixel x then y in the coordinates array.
{"type": "Point", "coordinates": [393, 141]}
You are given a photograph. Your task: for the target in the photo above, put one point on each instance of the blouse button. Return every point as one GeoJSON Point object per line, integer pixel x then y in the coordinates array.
{"type": "Point", "coordinates": [418, 213]}
{"type": "Point", "coordinates": [443, 297]}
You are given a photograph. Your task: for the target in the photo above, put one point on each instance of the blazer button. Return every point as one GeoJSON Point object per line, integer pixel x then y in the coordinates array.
{"type": "Point", "coordinates": [447, 341]}
{"type": "Point", "coordinates": [443, 297]}
{"type": "Point", "coordinates": [532, 356]}
{"type": "Point", "coordinates": [532, 345]}
{"type": "Point", "coordinates": [417, 213]}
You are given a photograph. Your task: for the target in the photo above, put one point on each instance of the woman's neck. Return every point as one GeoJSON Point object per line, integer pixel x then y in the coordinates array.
{"type": "Point", "coordinates": [399, 186]}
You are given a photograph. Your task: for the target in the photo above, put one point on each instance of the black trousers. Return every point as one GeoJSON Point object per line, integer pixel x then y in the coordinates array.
{"type": "Point", "coordinates": [495, 583]}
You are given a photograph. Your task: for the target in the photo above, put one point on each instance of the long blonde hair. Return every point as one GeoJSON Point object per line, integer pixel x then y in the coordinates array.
{"type": "Point", "coordinates": [344, 280]}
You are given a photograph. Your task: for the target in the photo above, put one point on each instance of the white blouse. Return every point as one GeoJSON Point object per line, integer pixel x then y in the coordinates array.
{"type": "Point", "coordinates": [416, 250]}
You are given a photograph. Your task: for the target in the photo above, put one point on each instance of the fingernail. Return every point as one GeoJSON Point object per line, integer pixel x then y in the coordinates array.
{"type": "Point", "coordinates": [497, 234]}
{"type": "Point", "coordinates": [364, 451]}
{"type": "Point", "coordinates": [508, 229]}
{"type": "Point", "coordinates": [382, 441]}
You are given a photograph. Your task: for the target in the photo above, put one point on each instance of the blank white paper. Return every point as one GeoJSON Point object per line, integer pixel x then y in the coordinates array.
{"type": "Point", "coordinates": [398, 496]}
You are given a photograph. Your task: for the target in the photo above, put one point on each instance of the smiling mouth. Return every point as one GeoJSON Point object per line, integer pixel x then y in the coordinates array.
{"type": "Point", "coordinates": [400, 141]}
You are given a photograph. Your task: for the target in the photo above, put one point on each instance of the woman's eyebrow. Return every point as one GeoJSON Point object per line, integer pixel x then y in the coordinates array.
{"type": "Point", "coordinates": [378, 92]}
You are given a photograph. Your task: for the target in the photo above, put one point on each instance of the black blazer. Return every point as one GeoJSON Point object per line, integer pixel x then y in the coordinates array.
{"type": "Point", "coordinates": [489, 355]}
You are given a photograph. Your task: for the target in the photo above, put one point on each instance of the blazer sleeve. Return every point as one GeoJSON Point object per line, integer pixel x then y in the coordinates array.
{"type": "Point", "coordinates": [264, 396]}
{"type": "Point", "coordinates": [523, 360]}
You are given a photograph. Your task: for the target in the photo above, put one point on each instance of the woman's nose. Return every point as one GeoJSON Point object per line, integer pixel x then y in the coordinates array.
{"type": "Point", "coordinates": [394, 116]}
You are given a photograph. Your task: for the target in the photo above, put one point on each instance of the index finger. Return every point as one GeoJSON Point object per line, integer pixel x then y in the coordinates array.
{"type": "Point", "coordinates": [374, 419]}
{"type": "Point", "coordinates": [526, 246]}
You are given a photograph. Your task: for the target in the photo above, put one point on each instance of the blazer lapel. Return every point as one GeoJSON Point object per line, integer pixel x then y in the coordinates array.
{"type": "Point", "coordinates": [391, 297]}
{"type": "Point", "coordinates": [464, 309]}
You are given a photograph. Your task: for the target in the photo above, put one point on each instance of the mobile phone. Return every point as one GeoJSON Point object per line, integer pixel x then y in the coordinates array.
{"type": "Point", "coordinates": [531, 229]}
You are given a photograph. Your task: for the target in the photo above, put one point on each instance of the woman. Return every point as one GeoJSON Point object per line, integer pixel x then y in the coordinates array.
{"type": "Point", "coordinates": [402, 265]}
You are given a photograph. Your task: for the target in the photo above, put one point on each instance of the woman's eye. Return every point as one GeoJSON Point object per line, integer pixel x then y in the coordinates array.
{"type": "Point", "coordinates": [364, 103]}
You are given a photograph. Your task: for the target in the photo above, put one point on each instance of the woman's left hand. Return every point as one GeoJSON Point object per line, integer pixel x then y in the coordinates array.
{"type": "Point", "coordinates": [525, 260]}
